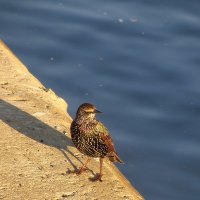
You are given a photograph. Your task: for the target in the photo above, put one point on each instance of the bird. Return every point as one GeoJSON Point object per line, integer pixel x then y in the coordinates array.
{"type": "Point", "coordinates": [92, 138]}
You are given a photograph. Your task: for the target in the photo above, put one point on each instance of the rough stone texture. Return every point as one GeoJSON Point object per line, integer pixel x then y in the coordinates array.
{"type": "Point", "coordinates": [36, 152]}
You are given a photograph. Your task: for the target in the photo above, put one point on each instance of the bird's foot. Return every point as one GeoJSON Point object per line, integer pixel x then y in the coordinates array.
{"type": "Point", "coordinates": [97, 177]}
{"type": "Point", "coordinates": [81, 170]}
{"type": "Point", "coordinates": [77, 171]}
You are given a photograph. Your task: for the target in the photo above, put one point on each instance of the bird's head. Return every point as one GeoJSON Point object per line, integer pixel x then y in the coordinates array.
{"type": "Point", "coordinates": [87, 110]}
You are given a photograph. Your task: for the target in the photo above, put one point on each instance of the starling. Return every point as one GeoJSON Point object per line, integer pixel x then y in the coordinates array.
{"type": "Point", "coordinates": [92, 138]}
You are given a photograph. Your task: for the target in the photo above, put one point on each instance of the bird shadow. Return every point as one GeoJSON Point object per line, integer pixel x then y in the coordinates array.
{"type": "Point", "coordinates": [35, 129]}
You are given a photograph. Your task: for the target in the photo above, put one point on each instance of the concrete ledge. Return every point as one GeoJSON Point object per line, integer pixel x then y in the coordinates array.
{"type": "Point", "coordinates": [35, 146]}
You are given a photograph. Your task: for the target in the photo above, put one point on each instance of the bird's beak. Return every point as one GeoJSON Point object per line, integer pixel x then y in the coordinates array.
{"type": "Point", "coordinates": [97, 111]}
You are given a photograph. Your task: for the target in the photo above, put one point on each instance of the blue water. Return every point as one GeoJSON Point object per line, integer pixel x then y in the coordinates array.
{"type": "Point", "coordinates": [138, 61]}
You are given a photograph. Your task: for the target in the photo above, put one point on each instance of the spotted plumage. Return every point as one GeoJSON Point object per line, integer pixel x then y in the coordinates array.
{"type": "Point", "coordinates": [91, 137]}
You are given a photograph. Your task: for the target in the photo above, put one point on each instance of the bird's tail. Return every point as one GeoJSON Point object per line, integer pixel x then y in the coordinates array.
{"type": "Point", "coordinates": [113, 157]}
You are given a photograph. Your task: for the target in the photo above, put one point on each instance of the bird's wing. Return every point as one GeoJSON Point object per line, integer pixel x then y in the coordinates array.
{"type": "Point", "coordinates": [106, 139]}
{"type": "Point", "coordinates": [104, 135]}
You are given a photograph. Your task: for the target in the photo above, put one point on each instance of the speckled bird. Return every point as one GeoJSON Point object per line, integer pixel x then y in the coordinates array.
{"type": "Point", "coordinates": [92, 138]}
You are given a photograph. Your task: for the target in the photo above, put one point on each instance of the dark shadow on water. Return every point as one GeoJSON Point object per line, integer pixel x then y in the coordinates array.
{"type": "Point", "coordinates": [35, 129]}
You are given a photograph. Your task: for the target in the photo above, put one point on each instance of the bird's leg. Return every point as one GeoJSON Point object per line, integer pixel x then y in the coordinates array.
{"type": "Point", "coordinates": [84, 167]}
{"type": "Point", "coordinates": [98, 176]}
{"type": "Point", "coordinates": [101, 164]}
